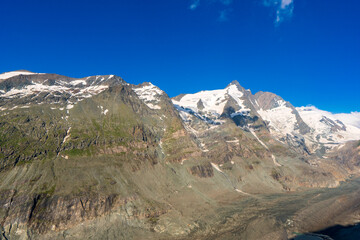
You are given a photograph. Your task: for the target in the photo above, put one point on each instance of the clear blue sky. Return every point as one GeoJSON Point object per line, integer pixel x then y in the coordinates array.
{"type": "Point", "coordinates": [307, 51]}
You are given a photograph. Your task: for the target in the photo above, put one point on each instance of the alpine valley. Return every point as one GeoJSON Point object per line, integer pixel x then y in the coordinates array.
{"type": "Point", "coordinates": [99, 158]}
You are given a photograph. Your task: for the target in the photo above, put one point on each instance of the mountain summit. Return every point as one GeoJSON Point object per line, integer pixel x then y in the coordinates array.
{"type": "Point", "coordinates": [281, 118]}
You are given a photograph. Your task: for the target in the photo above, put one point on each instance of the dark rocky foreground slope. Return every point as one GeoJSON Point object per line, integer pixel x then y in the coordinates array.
{"type": "Point", "coordinates": [98, 158]}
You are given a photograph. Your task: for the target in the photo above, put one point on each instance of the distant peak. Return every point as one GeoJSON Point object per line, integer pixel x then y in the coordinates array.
{"type": "Point", "coordinates": [147, 84]}
{"type": "Point", "coordinates": [234, 82]}
{"type": "Point", "coordinates": [23, 70]}
{"type": "Point", "coordinates": [237, 84]}
{"type": "Point", "coordinates": [20, 71]}
{"type": "Point", "coordinates": [7, 75]}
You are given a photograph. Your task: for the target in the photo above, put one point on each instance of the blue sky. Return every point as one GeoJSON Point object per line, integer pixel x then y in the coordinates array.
{"type": "Point", "coordinates": [307, 51]}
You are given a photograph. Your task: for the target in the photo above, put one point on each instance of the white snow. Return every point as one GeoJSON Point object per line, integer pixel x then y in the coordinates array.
{"type": "Point", "coordinates": [233, 141]}
{"type": "Point", "coordinates": [7, 75]}
{"type": "Point", "coordinates": [67, 135]}
{"type": "Point", "coordinates": [77, 82]}
{"type": "Point", "coordinates": [150, 95]}
{"type": "Point", "coordinates": [161, 147]}
{"type": "Point", "coordinates": [36, 88]}
{"type": "Point", "coordinates": [238, 190]}
{"type": "Point", "coordinates": [213, 102]}
{"type": "Point", "coordinates": [31, 89]}
{"type": "Point", "coordinates": [70, 106]}
{"type": "Point", "coordinates": [281, 118]}
{"type": "Point", "coordinates": [216, 167]}
{"type": "Point", "coordinates": [261, 142]}
{"type": "Point", "coordinates": [102, 110]}
{"type": "Point", "coordinates": [183, 160]}
{"type": "Point", "coordinates": [153, 106]}
{"type": "Point", "coordinates": [264, 145]}
{"type": "Point", "coordinates": [283, 121]}
{"type": "Point", "coordinates": [312, 116]}
{"type": "Point", "coordinates": [341, 146]}
{"type": "Point", "coordinates": [91, 90]}
{"type": "Point", "coordinates": [185, 116]}
{"type": "Point", "coordinates": [234, 92]}
{"type": "Point", "coordinates": [274, 160]}
{"type": "Point", "coordinates": [316, 119]}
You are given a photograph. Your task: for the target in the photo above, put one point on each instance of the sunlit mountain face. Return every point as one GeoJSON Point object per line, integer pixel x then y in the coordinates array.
{"type": "Point", "coordinates": [80, 156]}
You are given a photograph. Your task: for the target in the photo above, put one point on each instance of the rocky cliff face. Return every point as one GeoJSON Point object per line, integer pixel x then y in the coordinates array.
{"type": "Point", "coordinates": [97, 157]}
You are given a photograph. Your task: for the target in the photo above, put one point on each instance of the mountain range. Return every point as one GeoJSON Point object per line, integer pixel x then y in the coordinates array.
{"type": "Point", "coordinates": [97, 157]}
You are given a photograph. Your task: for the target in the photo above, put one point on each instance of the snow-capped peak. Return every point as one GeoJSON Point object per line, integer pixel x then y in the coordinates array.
{"type": "Point", "coordinates": [55, 87]}
{"type": "Point", "coordinates": [150, 94]}
{"type": "Point", "coordinates": [327, 127]}
{"type": "Point", "coordinates": [314, 127]}
{"type": "Point", "coordinates": [7, 75]}
{"type": "Point", "coordinates": [211, 104]}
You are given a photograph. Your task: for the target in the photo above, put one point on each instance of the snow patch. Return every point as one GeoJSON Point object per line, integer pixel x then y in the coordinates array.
{"type": "Point", "coordinates": [274, 160]}
{"type": "Point", "coordinates": [7, 75]}
{"type": "Point", "coordinates": [183, 160]}
{"type": "Point", "coordinates": [209, 105]}
{"type": "Point", "coordinates": [77, 82]}
{"type": "Point", "coordinates": [234, 92]}
{"type": "Point", "coordinates": [70, 106]}
{"type": "Point", "coordinates": [239, 191]}
{"type": "Point", "coordinates": [261, 142]}
{"type": "Point", "coordinates": [216, 167]}
{"type": "Point", "coordinates": [67, 135]}
{"type": "Point", "coordinates": [74, 88]}
{"type": "Point", "coordinates": [282, 119]}
{"type": "Point", "coordinates": [233, 141]}
{"type": "Point", "coordinates": [150, 95]}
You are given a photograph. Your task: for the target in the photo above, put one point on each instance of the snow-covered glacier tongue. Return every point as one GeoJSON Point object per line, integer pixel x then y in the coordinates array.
{"type": "Point", "coordinates": [307, 128]}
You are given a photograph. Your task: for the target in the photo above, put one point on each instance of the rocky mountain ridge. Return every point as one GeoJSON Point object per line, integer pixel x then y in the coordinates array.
{"type": "Point", "coordinates": [25, 88]}
{"type": "Point", "coordinates": [319, 130]}
{"type": "Point", "coordinates": [97, 157]}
